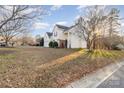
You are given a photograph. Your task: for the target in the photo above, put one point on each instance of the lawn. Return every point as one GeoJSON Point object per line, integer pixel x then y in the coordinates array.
{"type": "Point", "coordinates": [18, 66]}
{"type": "Point", "coordinates": [48, 67]}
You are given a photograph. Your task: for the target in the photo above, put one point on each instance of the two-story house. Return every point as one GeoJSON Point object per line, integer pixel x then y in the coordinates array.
{"type": "Point", "coordinates": [67, 37]}
{"type": "Point", "coordinates": [60, 36]}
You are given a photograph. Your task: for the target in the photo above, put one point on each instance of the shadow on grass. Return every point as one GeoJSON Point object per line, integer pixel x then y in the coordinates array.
{"type": "Point", "coordinates": [62, 74]}
{"type": "Point", "coordinates": [7, 53]}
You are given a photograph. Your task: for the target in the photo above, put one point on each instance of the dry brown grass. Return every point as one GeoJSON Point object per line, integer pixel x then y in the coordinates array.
{"type": "Point", "coordinates": [18, 67]}
{"type": "Point", "coordinates": [63, 74]}
{"type": "Point", "coordinates": [59, 76]}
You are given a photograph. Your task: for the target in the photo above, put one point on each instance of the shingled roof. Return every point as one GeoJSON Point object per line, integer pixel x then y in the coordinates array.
{"type": "Point", "coordinates": [62, 27]}
{"type": "Point", "coordinates": [72, 26]}
{"type": "Point", "coordinates": [49, 34]}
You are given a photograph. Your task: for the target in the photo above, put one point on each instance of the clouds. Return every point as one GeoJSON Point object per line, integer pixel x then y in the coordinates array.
{"type": "Point", "coordinates": [62, 23]}
{"type": "Point", "coordinates": [44, 26]}
{"type": "Point", "coordinates": [77, 17]}
{"type": "Point", "coordinates": [29, 10]}
{"type": "Point", "coordinates": [40, 25]}
{"type": "Point", "coordinates": [81, 7]}
{"type": "Point", "coordinates": [122, 24]}
{"type": "Point", "coordinates": [55, 7]}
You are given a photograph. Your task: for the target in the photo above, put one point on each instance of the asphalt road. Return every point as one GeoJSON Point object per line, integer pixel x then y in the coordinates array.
{"type": "Point", "coordinates": [116, 80]}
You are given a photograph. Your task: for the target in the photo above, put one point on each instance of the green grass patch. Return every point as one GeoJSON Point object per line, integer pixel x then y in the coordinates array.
{"type": "Point", "coordinates": [105, 53]}
{"type": "Point", "coordinates": [9, 56]}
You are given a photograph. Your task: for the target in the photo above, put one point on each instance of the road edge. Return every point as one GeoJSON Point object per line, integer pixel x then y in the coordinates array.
{"type": "Point", "coordinates": [94, 79]}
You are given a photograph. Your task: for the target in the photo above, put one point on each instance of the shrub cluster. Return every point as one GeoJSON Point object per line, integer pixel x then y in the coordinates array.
{"type": "Point", "coordinates": [53, 44]}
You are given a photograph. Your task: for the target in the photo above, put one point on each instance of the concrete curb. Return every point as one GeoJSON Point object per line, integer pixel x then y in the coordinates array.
{"type": "Point", "coordinates": [94, 79]}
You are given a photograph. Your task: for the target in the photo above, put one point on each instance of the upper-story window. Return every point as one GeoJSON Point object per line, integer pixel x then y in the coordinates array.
{"type": "Point", "coordinates": [55, 33]}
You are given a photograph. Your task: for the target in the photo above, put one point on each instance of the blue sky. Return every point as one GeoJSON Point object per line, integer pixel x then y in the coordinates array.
{"type": "Point", "coordinates": [64, 15]}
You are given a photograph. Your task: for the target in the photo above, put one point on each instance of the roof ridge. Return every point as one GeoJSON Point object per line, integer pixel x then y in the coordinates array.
{"type": "Point", "coordinates": [49, 34]}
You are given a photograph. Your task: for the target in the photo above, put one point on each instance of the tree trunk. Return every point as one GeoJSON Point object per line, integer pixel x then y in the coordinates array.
{"type": "Point", "coordinates": [87, 45]}
{"type": "Point", "coordinates": [13, 44]}
{"type": "Point", "coordinates": [6, 43]}
{"type": "Point", "coordinates": [90, 49]}
{"type": "Point", "coordinates": [90, 45]}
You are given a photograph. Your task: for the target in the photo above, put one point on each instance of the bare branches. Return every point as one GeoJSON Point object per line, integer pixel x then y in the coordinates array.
{"type": "Point", "coordinates": [24, 12]}
{"type": "Point", "coordinates": [15, 19]}
{"type": "Point", "coordinates": [97, 23]}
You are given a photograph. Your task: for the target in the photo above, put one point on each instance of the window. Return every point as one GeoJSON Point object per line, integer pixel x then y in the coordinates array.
{"type": "Point", "coordinates": [55, 33]}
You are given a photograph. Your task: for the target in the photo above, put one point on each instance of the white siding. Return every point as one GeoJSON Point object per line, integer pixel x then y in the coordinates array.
{"type": "Point", "coordinates": [83, 44]}
{"type": "Point", "coordinates": [74, 41]}
{"type": "Point", "coordinates": [46, 40]}
{"type": "Point", "coordinates": [59, 34]}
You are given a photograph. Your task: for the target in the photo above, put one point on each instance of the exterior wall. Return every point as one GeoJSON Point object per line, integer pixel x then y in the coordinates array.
{"type": "Point", "coordinates": [58, 34]}
{"type": "Point", "coordinates": [74, 41]}
{"type": "Point", "coordinates": [46, 40]}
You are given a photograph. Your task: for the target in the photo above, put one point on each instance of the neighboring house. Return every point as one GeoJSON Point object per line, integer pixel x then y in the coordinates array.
{"type": "Point", "coordinates": [67, 37]}
{"type": "Point", "coordinates": [2, 41]}
{"type": "Point", "coordinates": [12, 42]}
{"type": "Point", "coordinates": [47, 39]}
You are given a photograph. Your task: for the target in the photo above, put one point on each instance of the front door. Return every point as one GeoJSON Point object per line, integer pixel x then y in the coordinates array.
{"type": "Point", "coordinates": [63, 43]}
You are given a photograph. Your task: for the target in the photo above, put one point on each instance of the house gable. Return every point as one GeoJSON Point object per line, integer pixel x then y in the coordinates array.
{"type": "Point", "coordinates": [74, 38]}
{"type": "Point", "coordinates": [58, 32]}
{"type": "Point", "coordinates": [47, 39]}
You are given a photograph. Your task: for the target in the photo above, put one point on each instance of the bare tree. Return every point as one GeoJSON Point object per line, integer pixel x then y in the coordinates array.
{"type": "Point", "coordinates": [15, 20]}
{"type": "Point", "coordinates": [16, 12]}
{"type": "Point", "coordinates": [113, 24]}
{"type": "Point", "coordinates": [26, 39]}
{"type": "Point", "coordinates": [96, 24]}
{"type": "Point", "coordinates": [90, 25]}
{"type": "Point", "coordinates": [11, 30]}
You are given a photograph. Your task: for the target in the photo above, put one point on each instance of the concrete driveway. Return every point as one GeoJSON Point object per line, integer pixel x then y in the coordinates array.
{"type": "Point", "coordinates": [116, 80]}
